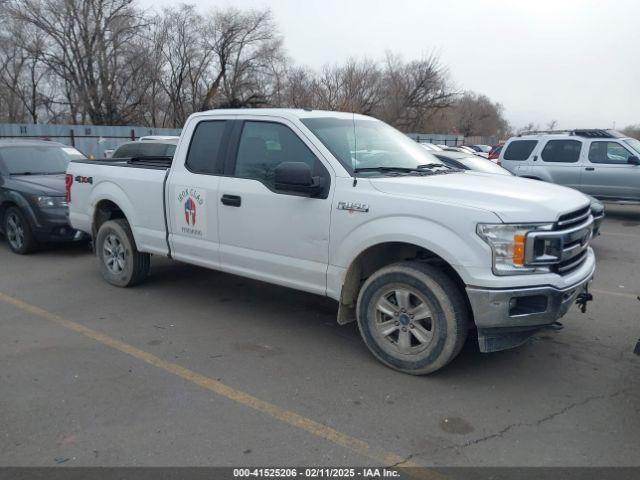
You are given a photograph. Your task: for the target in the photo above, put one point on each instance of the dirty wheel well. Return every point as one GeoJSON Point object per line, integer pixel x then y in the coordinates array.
{"type": "Point", "coordinates": [105, 210]}
{"type": "Point", "coordinates": [378, 256]}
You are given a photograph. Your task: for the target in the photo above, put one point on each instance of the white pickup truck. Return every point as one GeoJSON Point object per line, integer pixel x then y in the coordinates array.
{"type": "Point", "coordinates": [345, 206]}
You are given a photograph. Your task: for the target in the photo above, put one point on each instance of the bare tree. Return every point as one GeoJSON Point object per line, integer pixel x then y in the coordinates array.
{"type": "Point", "coordinates": [632, 131]}
{"type": "Point", "coordinates": [90, 44]}
{"type": "Point", "coordinates": [244, 45]}
{"type": "Point", "coordinates": [552, 125]}
{"type": "Point", "coordinates": [475, 114]}
{"type": "Point", "coordinates": [414, 91]}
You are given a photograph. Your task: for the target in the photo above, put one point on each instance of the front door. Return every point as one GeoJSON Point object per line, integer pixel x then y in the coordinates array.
{"type": "Point", "coordinates": [266, 234]}
{"type": "Point", "coordinates": [608, 173]}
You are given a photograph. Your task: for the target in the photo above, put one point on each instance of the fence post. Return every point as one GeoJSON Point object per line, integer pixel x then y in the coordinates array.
{"type": "Point", "coordinates": [72, 137]}
{"type": "Point", "coordinates": [133, 134]}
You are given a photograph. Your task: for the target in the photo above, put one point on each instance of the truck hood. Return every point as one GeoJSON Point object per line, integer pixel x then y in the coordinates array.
{"type": "Point", "coordinates": [50, 185]}
{"type": "Point", "coordinates": [513, 199]}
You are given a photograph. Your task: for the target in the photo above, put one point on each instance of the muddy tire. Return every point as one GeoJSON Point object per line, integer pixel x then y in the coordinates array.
{"type": "Point", "coordinates": [413, 317]}
{"type": "Point", "coordinates": [120, 261]}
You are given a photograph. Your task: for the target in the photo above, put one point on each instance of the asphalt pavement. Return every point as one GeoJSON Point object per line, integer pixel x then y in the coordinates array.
{"type": "Point", "coordinates": [200, 368]}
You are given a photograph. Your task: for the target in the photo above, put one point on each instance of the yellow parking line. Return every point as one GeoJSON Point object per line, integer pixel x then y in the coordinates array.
{"type": "Point", "coordinates": [334, 436]}
{"type": "Point", "coordinates": [632, 296]}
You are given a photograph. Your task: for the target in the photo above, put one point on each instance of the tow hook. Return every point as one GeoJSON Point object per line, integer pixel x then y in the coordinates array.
{"type": "Point", "coordinates": [583, 298]}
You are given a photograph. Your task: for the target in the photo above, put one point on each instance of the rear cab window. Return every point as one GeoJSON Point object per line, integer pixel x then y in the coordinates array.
{"type": "Point", "coordinates": [519, 150]}
{"type": "Point", "coordinates": [206, 147]}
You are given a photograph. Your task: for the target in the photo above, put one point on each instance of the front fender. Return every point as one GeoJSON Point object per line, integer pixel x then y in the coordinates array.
{"type": "Point", "coordinates": [438, 238]}
{"type": "Point", "coordinates": [11, 196]}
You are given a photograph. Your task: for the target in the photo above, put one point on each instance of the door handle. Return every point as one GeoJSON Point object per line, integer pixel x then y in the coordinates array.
{"type": "Point", "coordinates": [231, 200]}
{"type": "Point", "coordinates": [589, 169]}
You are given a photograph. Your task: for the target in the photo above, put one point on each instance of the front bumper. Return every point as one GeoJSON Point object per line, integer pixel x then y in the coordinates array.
{"type": "Point", "coordinates": [506, 318]}
{"type": "Point", "coordinates": [52, 225]}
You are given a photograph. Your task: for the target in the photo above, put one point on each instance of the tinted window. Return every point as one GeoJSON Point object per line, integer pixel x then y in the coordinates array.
{"type": "Point", "coordinates": [34, 160]}
{"type": "Point", "coordinates": [608, 152]}
{"type": "Point", "coordinates": [265, 145]}
{"type": "Point", "coordinates": [520, 149]}
{"type": "Point", "coordinates": [144, 149]}
{"type": "Point", "coordinates": [205, 147]}
{"type": "Point", "coordinates": [563, 151]}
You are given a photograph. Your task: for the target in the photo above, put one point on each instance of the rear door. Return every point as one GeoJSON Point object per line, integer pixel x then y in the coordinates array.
{"type": "Point", "coordinates": [607, 173]}
{"type": "Point", "coordinates": [192, 191]}
{"type": "Point", "coordinates": [559, 161]}
{"type": "Point", "coordinates": [265, 233]}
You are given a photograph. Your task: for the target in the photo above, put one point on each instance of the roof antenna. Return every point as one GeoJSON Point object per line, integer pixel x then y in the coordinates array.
{"type": "Point", "coordinates": [355, 149]}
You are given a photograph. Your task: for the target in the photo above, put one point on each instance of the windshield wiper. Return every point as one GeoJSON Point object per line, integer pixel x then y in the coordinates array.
{"type": "Point", "coordinates": [433, 165]}
{"type": "Point", "coordinates": [392, 170]}
{"type": "Point", "coordinates": [22, 173]}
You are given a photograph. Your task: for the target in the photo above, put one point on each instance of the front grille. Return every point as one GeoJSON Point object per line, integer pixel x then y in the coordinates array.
{"type": "Point", "coordinates": [564, 248]}
{"type": "Point", "coordinates": [569, 220]}
{"type": "Point", "coordinates": [570, 265]}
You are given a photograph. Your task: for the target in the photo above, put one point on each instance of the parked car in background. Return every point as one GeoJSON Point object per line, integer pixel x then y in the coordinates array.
{"type": "Point", "coordinates": [431, 146]}
{"type": "Point", "coordinates": [346, 206]}
{"type": "Point", "coordinates": [472, 162]}
{"type": "Point", "coordinates": [151, 138]}
{"type": "Point", "coordinates": [601, 163]}
{"type": "Point", "coordinates": [146, 148]}
{"type": "Point", "coordinates": [480, 148]}
{"type": "Point", "coordinates": [464, 161]}
{"type": "Point", "coordinates": [33, 207]}
{"type": "Point", "coordinates": [494, 153]}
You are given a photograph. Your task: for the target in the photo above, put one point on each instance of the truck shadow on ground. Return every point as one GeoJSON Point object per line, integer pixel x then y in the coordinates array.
{"type": "Point", "coordinates": [290, 308]}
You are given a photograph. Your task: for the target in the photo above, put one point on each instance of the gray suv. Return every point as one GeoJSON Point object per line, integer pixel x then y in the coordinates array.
{"type": "Point", "coordinates": [601, 163]}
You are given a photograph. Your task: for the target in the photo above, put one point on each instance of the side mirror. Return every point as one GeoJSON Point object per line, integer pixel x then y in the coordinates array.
{"type": "Point", "coordinates": [296, 177]}
{"type": "Point", "coordinates": [633, 160]}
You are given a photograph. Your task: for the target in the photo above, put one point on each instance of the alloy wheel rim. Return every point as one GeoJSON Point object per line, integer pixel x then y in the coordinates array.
{"type": "Point", "coordinates": [403, 320]}
{"type": "Point", "coordinates": [113, 254]}
{"type": "Point", "coordinates": [15, 231]}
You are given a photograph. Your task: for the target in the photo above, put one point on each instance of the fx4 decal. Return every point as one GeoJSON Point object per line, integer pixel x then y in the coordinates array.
{"type": "Point", "coordinates": [353, 206]}
{"type": "Point", "coordinates": [81, 179]}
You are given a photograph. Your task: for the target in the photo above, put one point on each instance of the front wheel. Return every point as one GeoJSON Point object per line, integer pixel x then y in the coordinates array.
{"type": "Point", "coordinates": [120, 261]}
{"type": "Point", "coordinates": [412, 317]}
{"type": "Point", "coordinates": [18, 232]}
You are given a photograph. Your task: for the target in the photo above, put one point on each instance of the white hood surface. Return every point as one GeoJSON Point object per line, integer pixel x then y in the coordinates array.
{"type": "Point", "coordinates": [513, 199]}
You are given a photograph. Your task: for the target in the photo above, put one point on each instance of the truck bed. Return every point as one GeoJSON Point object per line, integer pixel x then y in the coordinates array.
{"type": "Point", "coordinates": [135, 185]}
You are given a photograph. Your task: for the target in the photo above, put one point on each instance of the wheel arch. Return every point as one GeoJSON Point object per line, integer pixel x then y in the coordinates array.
{"type": "Point", "coordinates": [105, 210]}
{"type": "Point", "coordinates": [380, 255]}
{"type": "Point", "coordinates": [109, 201]}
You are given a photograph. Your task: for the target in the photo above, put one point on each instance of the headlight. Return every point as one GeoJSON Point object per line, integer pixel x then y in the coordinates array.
{"type": "Point", "coordinates": [49, 202]}
{"type": "Point", "coordinates": [507, 242]}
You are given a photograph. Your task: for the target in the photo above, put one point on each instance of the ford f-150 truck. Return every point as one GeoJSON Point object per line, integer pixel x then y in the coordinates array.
{"type": "Point", "coordinates": [345, 206]}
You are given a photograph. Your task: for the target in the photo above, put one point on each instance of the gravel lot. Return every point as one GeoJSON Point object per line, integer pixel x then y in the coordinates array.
{"type": "Point", "coordinates": [196, 367]}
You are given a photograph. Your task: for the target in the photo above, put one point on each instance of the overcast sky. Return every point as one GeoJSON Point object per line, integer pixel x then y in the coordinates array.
{"type": "Point", "coordinates": [575, 61]}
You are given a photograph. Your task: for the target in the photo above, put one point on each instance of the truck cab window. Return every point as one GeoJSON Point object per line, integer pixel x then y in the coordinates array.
{"type": "Point", "coordinates": [205, 147]}
{"type": "Point", "coordinates": [265, 145]}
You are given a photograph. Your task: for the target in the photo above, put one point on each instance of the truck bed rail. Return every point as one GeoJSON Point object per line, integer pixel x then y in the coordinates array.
{"type": "Point", "coordinates": [157, 162]}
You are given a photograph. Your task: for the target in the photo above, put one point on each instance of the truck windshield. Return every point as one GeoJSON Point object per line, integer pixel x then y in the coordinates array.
{"type": "Point", "coordinates": [633, 143]}
{"type": "Point", "coordinates": [369, 144]}
{"type": "Point", "coordinates": [34, 160]}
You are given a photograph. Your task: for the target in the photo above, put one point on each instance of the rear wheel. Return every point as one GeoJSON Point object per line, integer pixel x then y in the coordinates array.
{"type": "Point", "coordinates": [412, 317]}
{"type": "Point", "coordinates": [120, 261]}
{"type": "Point", "coordinates": [18, 232]}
